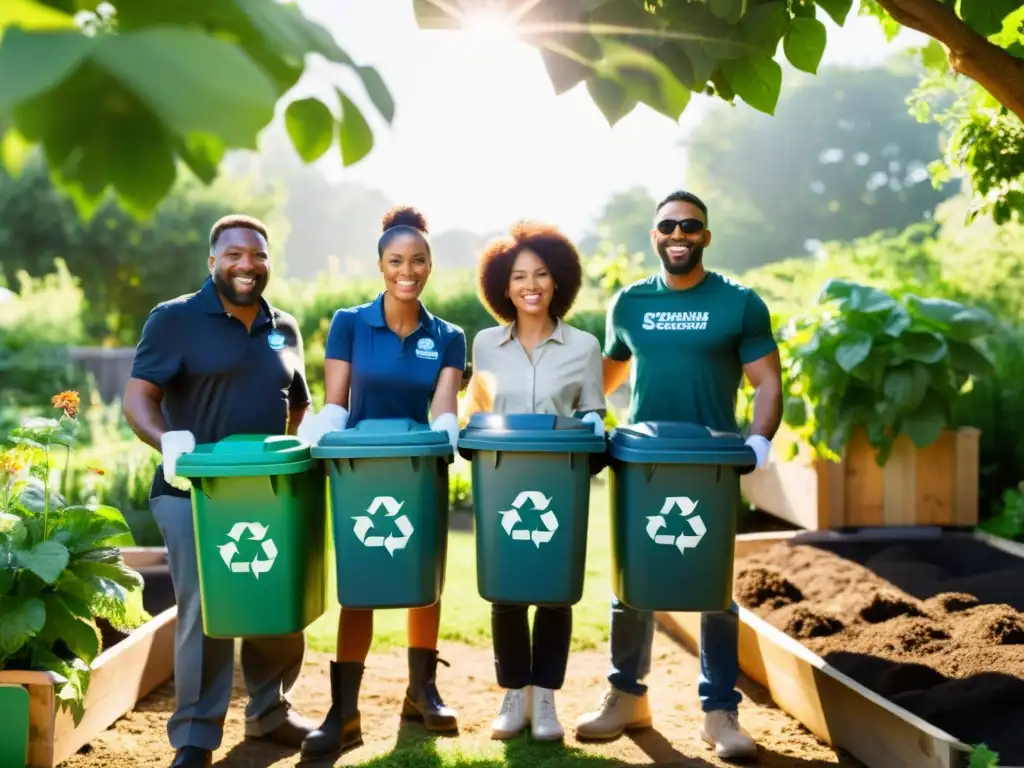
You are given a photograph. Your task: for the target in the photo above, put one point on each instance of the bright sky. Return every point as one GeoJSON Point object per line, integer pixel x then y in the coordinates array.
{"type": "Point", "coordinates": [480, 138]}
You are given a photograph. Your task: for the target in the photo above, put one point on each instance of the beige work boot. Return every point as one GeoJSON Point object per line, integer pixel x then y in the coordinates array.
{"type": "Point", "coordinates": [544, 725]}
{"type": "Point", "coordinates": [723, 732]}
{"type": "Point", "coordinates": [619, 712]}
{"type": "Point", "coordinates": [514, 714]}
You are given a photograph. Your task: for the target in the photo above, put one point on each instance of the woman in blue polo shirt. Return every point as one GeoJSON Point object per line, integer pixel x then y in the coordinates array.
{"type": "Point", "coordinates": [389, 359]}
{"type": "Point", "coordinates": [533, 363]}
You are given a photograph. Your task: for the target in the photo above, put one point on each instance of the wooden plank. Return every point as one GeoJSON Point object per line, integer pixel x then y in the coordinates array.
{"type": "Point", "coordinates": [899, 485]}
{"type": "Point", "coordinates": [837, 709]}
{"type": "Point", "coordinates": [831, 494]}
{"type": "Point", "coordinates": [121, 675]}
{"type": "Point", "coordinates": [966, 468]}
{"type": "Point", "coordinates": [934, 483]}
{"type": "Point", "coordinates": [865, 490]}
{"type": "Point", "coordinates": [786, 489]}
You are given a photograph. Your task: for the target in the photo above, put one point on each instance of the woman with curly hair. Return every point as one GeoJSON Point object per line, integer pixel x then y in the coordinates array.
{"type": "Point", "coordinates": [389, 358]}
{"type": "Point", "coordinates": [534, 363]}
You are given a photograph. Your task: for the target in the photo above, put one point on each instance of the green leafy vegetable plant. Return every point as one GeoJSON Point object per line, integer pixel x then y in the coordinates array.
{"type": "Point", "coordinates": [60, 566]}
{"type": "Point", "coordinates": [861, 359]}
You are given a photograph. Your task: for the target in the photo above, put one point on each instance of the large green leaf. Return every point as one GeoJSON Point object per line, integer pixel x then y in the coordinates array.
{"type": "Point", "coordinates": [120, 606]}
{"type": "Point", "coordinates": [89, 527]}
{"type": "Point", "coordinates": [116, 572]}
{"type": "Point", "coordinates": [924, 425]}
{"type": "Point", "coordinates": [47, 560]}
{"type": "Point", "coordinates": [354, 134]}
{"type": "Point", "coordinates": [905, 386]}
{"type": "Point", "coordinates": [805, 44]}
{"type": "Point", "coordinates": [986, 16]}
{"type": "Point", "coordinates": [169, 68]}
{"type": "Point", "coordinates": [378, 92]}
{"type": "Point", "coordinates": [729, 10]}
{"type": "Point", "coordinates": [646, 78]}
{"type": "Point", "coordinates": [851, 295]}
{"type": "Point", "coordinates": [968, 358]}
{"type": "Point", "coordinates": [611, 98]}
{"type": "Point", "coordinates": [837, 9]}
{"type": "Point", "coordinates": [765, 25]}
{"type": "Point", "coordinates": [755, 79]}
{"type": "Point", "coordinates": [922, 346]}
{"type": "Point", "coordinates": [139, 159]}
{"type": "Point", "coordinates": [33, 63]}
{"type": "Point", "coordinates": [21, 619]}
{"type": "Point", "coordinates": [62, 623]}
{"type": "Point", "coordinates": [954, 319]}
{"type": "Point", "coordinates": [853, 350]}
{"type": "Point", "coordinates": [310, 125]}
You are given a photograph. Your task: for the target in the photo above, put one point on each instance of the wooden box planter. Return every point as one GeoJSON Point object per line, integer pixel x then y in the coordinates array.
{"type": "Point", "coordinates": [837, 709]}
{"type": "Point", "coordinates": [933, 486]}
{"type": "Point", "coordinates": [122, 674]}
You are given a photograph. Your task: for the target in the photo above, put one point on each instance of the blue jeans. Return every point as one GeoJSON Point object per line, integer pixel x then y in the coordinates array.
{"type": "Point", "coordinates": [633, 633]}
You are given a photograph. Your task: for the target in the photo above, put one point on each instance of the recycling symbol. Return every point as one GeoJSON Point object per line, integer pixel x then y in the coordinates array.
{"type": "Point", "coordinates": [390, 542]}
{"type": "Point", "coordinates": [682, 542]}
{"type": "Point", "coordinates": [539, 502]}
{"type": "Point", "coordinates": [267, 548]}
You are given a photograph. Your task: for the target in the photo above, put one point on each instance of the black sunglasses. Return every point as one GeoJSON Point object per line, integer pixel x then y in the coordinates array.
{"type": "Point", "coordinates": [689, 226]}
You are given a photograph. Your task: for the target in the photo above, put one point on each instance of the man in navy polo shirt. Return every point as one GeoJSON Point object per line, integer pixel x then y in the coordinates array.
{"type": "Point", "coordinates": [211, 364]}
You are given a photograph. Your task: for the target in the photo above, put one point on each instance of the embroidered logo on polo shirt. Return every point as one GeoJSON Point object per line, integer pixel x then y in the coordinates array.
{"type": "Point", "coordinates": [425, 349]}
{"type": "Point", "coordinates": [276, 340]}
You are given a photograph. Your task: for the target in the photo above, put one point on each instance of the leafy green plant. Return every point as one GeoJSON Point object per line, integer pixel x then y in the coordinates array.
{"type": "Point", "coordinates": [861, 359]}
{"type": "Point", "coordinates": [60, 565]}
{"type": "Point", "coordinates": [1007, 520]}
{"type": "Point", "coordinates": [983, 757]}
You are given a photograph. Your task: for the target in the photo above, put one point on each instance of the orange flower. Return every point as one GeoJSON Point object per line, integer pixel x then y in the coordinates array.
{"type": "Point", "coordinates": [97, 470]}
{"type": "Point", "coordinates": [69, 401]}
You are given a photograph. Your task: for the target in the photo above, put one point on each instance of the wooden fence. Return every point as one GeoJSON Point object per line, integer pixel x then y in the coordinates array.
{"type": "Point", "coordinates": [111, 367]}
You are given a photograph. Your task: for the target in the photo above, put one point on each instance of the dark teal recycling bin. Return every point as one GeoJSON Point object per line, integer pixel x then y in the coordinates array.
{"type": "Point", "coordinates": [531, 496]}
{"type": "Point", "coordinates": [388, 485]}
{"type": "Point", "coordinates": [675, 494]}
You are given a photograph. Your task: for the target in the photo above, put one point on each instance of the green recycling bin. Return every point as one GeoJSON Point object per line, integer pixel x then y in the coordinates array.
{"type": "Point", "coordinates": [388, 484]}
{"type": "Point", "coordinates": [675, 494]}
{"type": "Point", "coordinates": [531, 497]}
{"type": "Point", "coordinates": [259, 506]}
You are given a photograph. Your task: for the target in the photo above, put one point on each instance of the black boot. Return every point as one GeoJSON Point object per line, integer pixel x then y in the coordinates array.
{"type": "Point", "coordinates": [341, 728]}
{"type": "Point", "coordinates": [422, 701]}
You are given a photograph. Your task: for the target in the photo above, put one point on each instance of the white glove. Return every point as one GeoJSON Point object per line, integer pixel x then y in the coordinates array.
{"type": "Point", "coordinates": [448, 422]}
{"type": "Point", "coordinates": [333, 418]}
{"type": "Point", "coordinates": [172, 446]}
{"type": "Point", "coordinates": [597, 421]}
{"type": "Point", "coordinates": [762, 446]}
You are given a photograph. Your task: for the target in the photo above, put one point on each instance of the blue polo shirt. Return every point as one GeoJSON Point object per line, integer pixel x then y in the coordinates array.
{"type": "Point", "coordinates": [392, 378]}
{"type": "Point", "coordinates": [219, 378]}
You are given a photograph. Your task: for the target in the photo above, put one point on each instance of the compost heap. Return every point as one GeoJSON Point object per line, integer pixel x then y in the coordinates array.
{"type": "Point", "coordinates": [955, 659]}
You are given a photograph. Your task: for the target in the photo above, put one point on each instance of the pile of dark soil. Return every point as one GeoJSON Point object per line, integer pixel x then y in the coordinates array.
{"type": "Point", "coordinates": [935, 626]}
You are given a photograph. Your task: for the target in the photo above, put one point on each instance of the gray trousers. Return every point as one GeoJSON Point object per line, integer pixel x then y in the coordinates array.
{"type": "Point", "coordinates": [204, 666]}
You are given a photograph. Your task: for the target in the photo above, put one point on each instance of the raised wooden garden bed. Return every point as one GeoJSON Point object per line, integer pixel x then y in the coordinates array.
{"type": "Point", "coordinates": [902, 647]}
{"type": "Point", "coordinates": [936, 485]}
{"type": "Point", "coordinates": [129, 668]}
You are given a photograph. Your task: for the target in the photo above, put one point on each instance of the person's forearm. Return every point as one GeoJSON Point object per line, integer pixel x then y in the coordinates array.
{"type": "Point", "coordinates": [295, 419]}
{"type": "Point", "coordinates": [145, 418]}
{"type": "Point", "coordinates": [767, 409]}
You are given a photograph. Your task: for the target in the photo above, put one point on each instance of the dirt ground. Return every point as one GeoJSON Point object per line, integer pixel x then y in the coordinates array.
{"type": "Point", "coordinates": [139, 739]}
{"type": "Point", "coordinates": [935, 627]}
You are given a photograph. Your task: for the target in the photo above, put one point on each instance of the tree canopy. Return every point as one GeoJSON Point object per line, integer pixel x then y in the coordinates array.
{"type": "Point", "coordinates": [119, 94]}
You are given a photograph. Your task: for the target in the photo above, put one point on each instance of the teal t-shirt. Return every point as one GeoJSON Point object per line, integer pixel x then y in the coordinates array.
{"type": "Point", "coordinates": [688, 347]}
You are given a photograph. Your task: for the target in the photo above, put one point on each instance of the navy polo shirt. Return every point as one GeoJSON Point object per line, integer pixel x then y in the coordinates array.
{"type": "Point", "coordinates": [218, 378]}
{"type": "Point", "coordinates": [392, 378]}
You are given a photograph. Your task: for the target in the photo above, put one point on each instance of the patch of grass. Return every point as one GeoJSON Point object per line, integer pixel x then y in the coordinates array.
{"type": "Point", "coordinates": [415, 749]}
{"type": "Point", "coordinates": [466, 617]}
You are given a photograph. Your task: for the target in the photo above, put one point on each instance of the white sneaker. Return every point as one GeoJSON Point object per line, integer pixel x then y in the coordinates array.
{"type": "Point", "coordinates": [722, 731]}
{"type": "Point", "coordinates": [544, 725]}
{"type": "Point", "coordinates": [514, 715]}
{"type": "Point", "coordinates": [619, 711]}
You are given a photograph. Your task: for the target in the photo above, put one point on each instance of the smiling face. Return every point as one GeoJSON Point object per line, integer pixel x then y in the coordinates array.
{"type": "Point", "coordinates": [405, 265]}
{"type": "Point", "coordinates": [240, 266]}
{"type": "Point", "coordinates": [680, 236]}
{"type": "Point", "coordinates": [530, 286]}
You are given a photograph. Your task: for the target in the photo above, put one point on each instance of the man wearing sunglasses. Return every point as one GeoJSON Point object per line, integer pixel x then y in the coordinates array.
{"type": "Point", "coordinates": [691, 335]}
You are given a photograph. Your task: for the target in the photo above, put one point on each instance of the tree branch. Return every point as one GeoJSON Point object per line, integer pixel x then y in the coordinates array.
{"type": "Point", "coordinates": [970, 54]}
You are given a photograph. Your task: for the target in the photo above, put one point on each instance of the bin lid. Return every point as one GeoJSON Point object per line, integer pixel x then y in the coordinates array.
{"type": "Point", "coordinates": [383, 439]}
{"type": "Point", "coordinates": [246, 456]}
{"type": "Point", "coordinates": [533, 432]}
{"type": "Point", "coordinates": [674, 442]}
